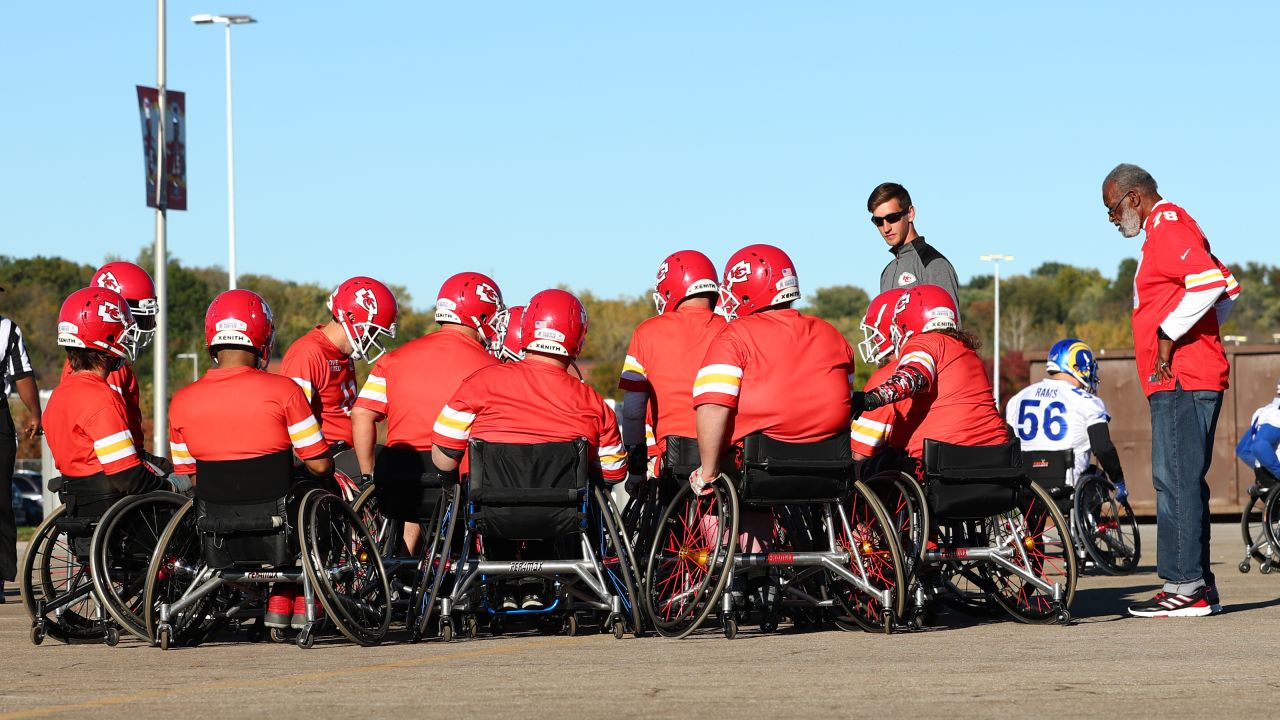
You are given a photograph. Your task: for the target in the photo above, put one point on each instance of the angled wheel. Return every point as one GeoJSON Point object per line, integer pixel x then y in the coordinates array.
{"type": "Point", "coordinates": [618, 559]}
{"type": "Point", "coordinates": [691, 558]}
{"type": "Point", "coordinates": [870, 538]}
{"type": "Point", "coordinates": [437, 562]}
{"type": "Point", "coordinates": [121, 550]}
{"type": "Point", "coordinates": [343, 563]}
{"type": "Point", "coordinates": [1041, 545]}
{"type": "Point", "coordinates": [904, 502]}
{"type": "Point", "coordinates": [52, 573]}
{"type": "Point", "coordinates": [961, 585]}
{"type": "Point", "coordinates": [640, 517]}
{"type": "Point", "coordinates": [1106, 526]}
{"type": "Point", "coordinates": [1256, 545]}
{"type": "Point", "coordinates": [176, 569]}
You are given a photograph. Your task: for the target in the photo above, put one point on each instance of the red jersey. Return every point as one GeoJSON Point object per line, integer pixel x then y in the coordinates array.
{"type": "Point", "coordinates": [327, 377]}
{"type": "Point", "coordinates": [786, 374]}
{"type": "Point", "coordinates": [871, 430]}
{"type": "Point", "coordinates": [1176, 260]}
{"type": "Point", "coordinates": [123, 381]}
{"type": "Point", "coordinates": [241, 413]}
{"type": "Point", "coordinates": [663, 360]}
{"type": "Point", "coordinates": [87, 426]}
{"type": "Point", "coordinates": [532, 402]}
{"type": "Point", "coordinates": [411, 384]}
{"type": "Point", "coordinates": [957, 408]}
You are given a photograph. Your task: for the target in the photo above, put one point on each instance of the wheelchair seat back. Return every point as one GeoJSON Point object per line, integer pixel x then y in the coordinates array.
{"type": "Point", "coordinates": [242, 511]}
{"type": "Point", "coordinates": [776, 472]}
{"type": "Point", "coordinates": [528, 491]}
{"type": "Point", "coordinates": [86, 499]}
{"type": "Point", "coordinates": [1051, 470]}
{"type": "Point", "coordinates": [406, 484]}
{"type": "Point", "coordinates": [680, 458]}
{"type": "Point", "coordinates": [972, 482]}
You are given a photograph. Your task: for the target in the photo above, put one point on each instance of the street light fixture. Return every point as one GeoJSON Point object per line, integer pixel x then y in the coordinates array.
{"type": "Point", "coordinates": [227, 21]}
{"type": "Point", "coordinates": [997, 259]}
{"type": "Point", "coordinates": [195, 364]}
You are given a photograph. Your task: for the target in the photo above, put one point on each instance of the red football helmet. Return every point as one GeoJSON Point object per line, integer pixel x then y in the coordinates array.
{"type": "Point", "coordinates": [682, 274]}
{"type": "Point", "coordinates": [134, 284]}
{"type": "Point", "coordinates": [473, 300]}
{"type": "Point", "coordinates": [240, 318]}
{"type": "Point", "coordinates": [365, 308]}
{"type": "Point", "coordinates": [554, 322]}
{"type": "Point", "coordinates": [512, 335]}
{"type": "Point", "coordinates": [757, 277]}
{"type": "Point", "coordinates": [920, 309]}
{"type": "Point", "coordinates": [877, 327]}
{"type": "Point", "coordinates": [97, 318]}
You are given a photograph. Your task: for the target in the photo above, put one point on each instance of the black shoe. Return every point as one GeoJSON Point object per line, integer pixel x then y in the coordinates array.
{"type": "Point", "coordinates": [1165, 604]}
{"type": "Point", "coordinates": [1211, 596]}
{"type": "Point", "coordinates": [3, 600]}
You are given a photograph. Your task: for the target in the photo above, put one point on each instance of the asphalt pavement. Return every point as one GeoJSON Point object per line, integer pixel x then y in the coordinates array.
{"type": "Point", "coordinates": [1102, 664]}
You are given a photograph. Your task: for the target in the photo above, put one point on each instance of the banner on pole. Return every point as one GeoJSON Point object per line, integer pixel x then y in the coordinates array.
{"type": "Point", "coordinates": [174, 195]}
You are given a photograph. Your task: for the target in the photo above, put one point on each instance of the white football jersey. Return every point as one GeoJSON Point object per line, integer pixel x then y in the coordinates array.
{"type": "Point", "coordinates": [1056, 415]}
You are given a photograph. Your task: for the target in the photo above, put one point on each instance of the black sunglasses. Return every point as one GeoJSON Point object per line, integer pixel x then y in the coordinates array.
{"type": "Point", "coordinates": [891, 218]}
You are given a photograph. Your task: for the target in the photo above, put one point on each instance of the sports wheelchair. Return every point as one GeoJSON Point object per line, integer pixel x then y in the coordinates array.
{"type": "Point", "coordinates": [247, 526]}
{"type": "Point", "coordinates": [526, 493]}
{"type": "Point", "coordinates": [1260, 524]}
{"type": "Point", "coordinates": [996, 538]}
{"type": "Point", "coordinates": [832, 553]}
{"type": "Point", "coordinates": [85, 567]}
{"type": "Point", "coordinates": [1103, 528]}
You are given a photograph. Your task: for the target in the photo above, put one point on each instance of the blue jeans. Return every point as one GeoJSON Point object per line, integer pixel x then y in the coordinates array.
{"type": "Point", "coordinates": [1182, 427]}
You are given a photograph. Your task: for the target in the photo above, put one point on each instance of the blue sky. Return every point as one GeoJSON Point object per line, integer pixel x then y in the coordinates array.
{"type": "Point", "coordinates": [580, 142]}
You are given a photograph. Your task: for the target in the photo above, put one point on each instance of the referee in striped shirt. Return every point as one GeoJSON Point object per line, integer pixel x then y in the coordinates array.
{"type": "Point", "coordinates": [15, 373]}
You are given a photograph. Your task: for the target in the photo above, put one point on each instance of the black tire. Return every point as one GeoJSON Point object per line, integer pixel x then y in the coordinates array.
{"type": "Point", "coordinates": [1044, 548]}
{"type": "Point", "coordinates": [1106, 526]}
{"type": "Point", "coordinates": [126, 537]}
{"type": "Point", "coordinates": [437, 556]}
{"type": "Point", "coordinates": [176, 565]}
{"type": "Point", "coordinates": [904, 502]}
{"type": "Point", "coordinates": [685, 573]}
{"type": "Point", "coordinates": [871, 540]}
{"type": "Point", "coordinates": [51, 570]}
{"type": "Point", "coordinates": [962, 586]}
{"type": "Point", "coordinates": [343, 563]}
{"type": "Point", "coordinates": [618, 559]}
{"type": "Point", "coordinates": [1256, 544]}
{"type": "Point", "coordinates": [1271, 523]}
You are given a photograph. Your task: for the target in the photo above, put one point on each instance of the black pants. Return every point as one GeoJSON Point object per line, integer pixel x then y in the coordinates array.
{"type": "Point", "coordinates": [8, 524]}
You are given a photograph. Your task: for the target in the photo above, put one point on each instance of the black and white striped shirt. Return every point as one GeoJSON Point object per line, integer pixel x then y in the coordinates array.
{"type": "Point", "coordinates": [15, 364]}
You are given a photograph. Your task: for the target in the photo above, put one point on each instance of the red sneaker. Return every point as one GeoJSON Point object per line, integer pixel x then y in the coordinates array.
{"type": "Point", "coordinates": [300, 611]}
{"type": "Point", "coordinates": [280, 605]}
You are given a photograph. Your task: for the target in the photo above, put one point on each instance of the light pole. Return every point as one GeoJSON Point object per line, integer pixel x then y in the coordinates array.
{"type": "Point", "coordinates": [195, 364]}
{"type": "Point", "coordinates": [997, 259]}
{"type": "Point", "coordinates": [227, 21]}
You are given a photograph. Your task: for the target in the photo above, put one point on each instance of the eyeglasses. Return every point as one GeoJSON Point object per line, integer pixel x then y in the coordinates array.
{"type": "Point", "coordinates": [891, 218]}
{"type": "Point", "coordinates": [1112, 210]}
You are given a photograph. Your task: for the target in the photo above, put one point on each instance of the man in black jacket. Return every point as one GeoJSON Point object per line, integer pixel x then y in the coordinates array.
{"type": "Point", "coordinates": [915, 262]}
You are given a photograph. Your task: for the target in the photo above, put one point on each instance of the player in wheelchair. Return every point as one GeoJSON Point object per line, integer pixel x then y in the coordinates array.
{"type": "Point", "coordinates": [540, 539]}
{"type": "Point", "coordinates": [85, 566]}
{"type": "Point", "coordinates": [770, 521]}
{"type": "Point", "coordinates": [257, 520]}
{"type": "Point", "coordinates": [1061, 422]}
{"type": "Point", "coordinates": [994, 538]}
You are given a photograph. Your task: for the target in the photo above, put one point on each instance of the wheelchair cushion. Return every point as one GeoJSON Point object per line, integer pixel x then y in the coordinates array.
{"type": "Point", "coordinates": [1050, 469]}
{"type": "Point", "coordinates": [247, 481]}
{"type": "Point", "coordinates": [407, 484]}
{"type": "Point", "coordinates": [245, 535]}
{"type": "Point", "coordinates": [775, 472]}
{"type": "Point", "coordinates": [528, 491]}
{"type": "Point", "coordinates": [972, 482]}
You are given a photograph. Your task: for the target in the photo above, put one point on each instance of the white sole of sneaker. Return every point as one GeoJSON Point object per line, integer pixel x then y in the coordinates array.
{"type": "Point", "coordinates": [1184, 612]}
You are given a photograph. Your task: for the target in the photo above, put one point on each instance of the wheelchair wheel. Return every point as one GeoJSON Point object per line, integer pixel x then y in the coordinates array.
{"type": "Point", "coordinates": [121, 552]}
{"type": "Point", "coordinates": [1042, 545]}
{"type": "Point", "coordinates": [619, 561]}
{"type": "Point", "coordinates": [691, 558]}
{"type": "Point", "coordinates": [1107, 526]}
{"type": "Point", "coordinates": [177, 567]}
{"type": "Point", "coordinates": [344, 564]}
{"type": "Point", "coordinates": [1271, 526]}
{"type": "Point", "coordinates": [52, 572]}
{"type": "Point", "coordinates": [437, 563]}
{"type": "Point", "coordinates": [385, 531]}
{"type": "Point", "coordinates": [640, 517]}
{"type": "Point", "coordinates": [871, 540]}
{"type": "Point", "coordinates": [1256, 545]}
{"type": "Point", "coordinates": [904, 501]}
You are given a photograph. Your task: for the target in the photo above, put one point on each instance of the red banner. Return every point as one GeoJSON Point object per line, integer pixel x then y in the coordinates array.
{"type": "Point", "coordinates": [175, 146]}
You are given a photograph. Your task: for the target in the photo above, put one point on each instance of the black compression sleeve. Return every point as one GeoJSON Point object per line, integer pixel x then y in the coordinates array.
{"type": "Point", "coordinates": [1108, 456]}
{"type": "Point", "coordinates": [451, 453]}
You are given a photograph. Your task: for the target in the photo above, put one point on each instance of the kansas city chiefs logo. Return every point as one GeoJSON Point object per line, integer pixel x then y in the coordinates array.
{"type": "Point", "coordinates": [108, 280]}
{"type": "Point", "coordinates": [740, 272]}
{"type": "Point", "coordinates": [109, 312]}
{"type": "Point", "coordinates": [662, 273]}
{"type": "Point", "coordinates": [902, 304]}
{"type": "Point", "coordinates": [487, 293]}
{"type": "Point", "coordinates": [906, 278]}
{"type": "Point", "coordinates": [367, 300]}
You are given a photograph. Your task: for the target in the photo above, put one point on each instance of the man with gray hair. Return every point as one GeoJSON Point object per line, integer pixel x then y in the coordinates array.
{"type": "Point", "coordinates": [1181, 295]}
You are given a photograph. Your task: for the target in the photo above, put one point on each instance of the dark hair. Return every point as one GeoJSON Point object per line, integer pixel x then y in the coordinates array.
{"type": "Point", "coordinates": [971, 341]}
{"type": "Point", "coordinates": [885, 192]}
{"type": "Point", "coordinates": [86, 359]}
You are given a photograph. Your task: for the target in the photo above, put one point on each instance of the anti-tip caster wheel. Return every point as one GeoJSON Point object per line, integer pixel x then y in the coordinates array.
{"type": "Point", "coordinates": [730, 628]}
{"type": "Point", "coordinates": [619, 629]}
{"type": "Point", "coordinates": [37, 634]}
{"type": "Point", "coordinates": [571, 625]}
{"type": "Point", "coordinates": [888, 622]}
{"type": "Point", "coordinates": [1265, 568]}
{"type": "Point", "coordinates": [164, 636]}
{"type": "Point", "coordinates": [1244, 566]}
{"type": "Point", "coordinates": [277, 635]}
{"type": "Point", "coordinates": [1064, 617]}
{"type": "Point", "coordinates": [472, 627]}
{"type": "Point", "coordinates": [306, 639]}
{"type": "Point", "coordinates": [446, 631]}
{"type": "Point", "coordinates": [112, 637]}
